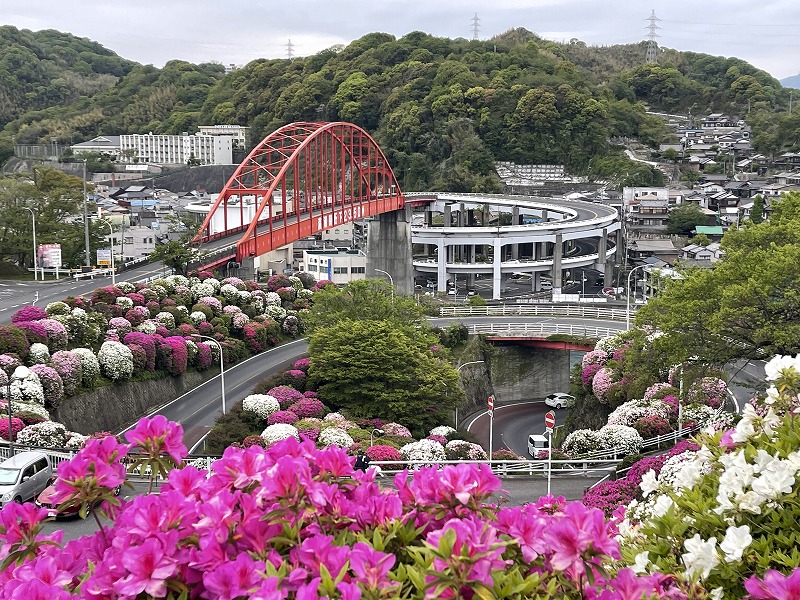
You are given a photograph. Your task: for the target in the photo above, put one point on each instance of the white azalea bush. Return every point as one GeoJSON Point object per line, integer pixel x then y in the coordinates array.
{"type": "Point", "coordinates": [39, 354]}
{"type": "Point", "coordinates": [629, 412]}
{"type": "Point", "coordinates": [442, 430]}
{"type": "Point", "coordinates": [90, 366]}
{"type": "Point", "coordinates": [427, 452]}
{"type": "Point", "coordinates": [166, 319]}
{"type": "Point", "coordinates": [334, 436]}
{"type": "Point", "coordinates": [26, 386]}
{"type": "Point", "coordinates": [582, 441]}
{"type": "Point", "coordinates": [116, 360]}
{"type": "Point", "coordinates": [626, 440]}
{"type": "Point", "coordinates": [262, 405]}
{"type": "Point", "coordinates": [47, 434]}
{"type": "Point", "coordinates": [463, 450]}
{"type": "Point", "coordinates": [197, 317]}
{"type": "Point", "coordinates": [272, 299]}
{"type": "Point", "coordinates": [278, 432]}
{"type": "Point", "coordinates": [729, 510]}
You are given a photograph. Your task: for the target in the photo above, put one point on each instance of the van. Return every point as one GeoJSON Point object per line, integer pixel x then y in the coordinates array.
{"type": "Point", "coordinates": [24, 476]}
{"type": "Point", "coordinates": [545, 285]}
{"type": "Point", "coordinates": [537, 444]}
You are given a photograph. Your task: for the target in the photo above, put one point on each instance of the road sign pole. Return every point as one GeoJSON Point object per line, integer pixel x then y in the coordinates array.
{"type": "Point", "coordinates": [549, 457]}
{"type": "Point", "coordinates": [490, 405]}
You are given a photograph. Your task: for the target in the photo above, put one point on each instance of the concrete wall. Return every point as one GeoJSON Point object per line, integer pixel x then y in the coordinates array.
{"type": "Point", "coordinates": [114, 407]}
{"type": "Point", "coordinates": [389, 248]}
{"type": "Point", "coordinates": [514, 373]}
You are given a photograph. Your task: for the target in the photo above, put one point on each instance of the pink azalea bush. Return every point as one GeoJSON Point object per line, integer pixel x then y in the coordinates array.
{"type": "Point", "coordinates": [16, 426]}
{"type": "Point", "coordinates": [285, 395]}
{"type": "Point", "coordinates": [28, 313]}
{"type": "Point", "coordinates": [68, 366]}
{"type": "Point", "coordinates": [601, 383]}
{"type": "Point", "coordinates": [296, 522]}
{"type": "Point", "coordinates": [283, 416]}
{"type": "Point", "coordinates": [308, 407]}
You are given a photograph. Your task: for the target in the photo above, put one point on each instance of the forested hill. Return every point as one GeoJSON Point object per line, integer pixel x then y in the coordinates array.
{"type": "Point", "coordinates": [444, 110]}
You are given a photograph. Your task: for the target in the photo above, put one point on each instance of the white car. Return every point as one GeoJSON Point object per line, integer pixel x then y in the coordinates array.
{"type": "Point", "coordinates": [560, 400]}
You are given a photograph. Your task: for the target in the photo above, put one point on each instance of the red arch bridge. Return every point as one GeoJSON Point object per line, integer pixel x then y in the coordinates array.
{"type": "Point", "coordinates": [301, 179]}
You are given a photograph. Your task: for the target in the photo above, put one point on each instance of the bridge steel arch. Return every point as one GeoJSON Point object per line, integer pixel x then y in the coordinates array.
{"type": "Point", "coordinates": [303, 178]}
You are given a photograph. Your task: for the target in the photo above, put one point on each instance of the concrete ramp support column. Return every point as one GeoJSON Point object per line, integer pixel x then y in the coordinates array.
{"type": "Point", "coordinates": [390, 249]}
{"type": "Point", "coordinates": [558, 250]}
{"type": "Point", "coordinates": [497, 274]}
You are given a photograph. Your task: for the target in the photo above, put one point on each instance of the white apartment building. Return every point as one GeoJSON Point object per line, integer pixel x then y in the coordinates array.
{"type": "Point", "coordinates": [237, 132]}
{"type": "Point", "coordinates": [212, 145]}
{"type": "Point", "coordinates": [177, 149]}
{"type": "Point", "coordinates": [340, 265]}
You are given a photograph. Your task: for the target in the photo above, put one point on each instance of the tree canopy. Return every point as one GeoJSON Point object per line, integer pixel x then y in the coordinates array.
{"type": "Point", "coordinates": [748, 305]}
{"type": "Point", "coordinates": [684, 218]}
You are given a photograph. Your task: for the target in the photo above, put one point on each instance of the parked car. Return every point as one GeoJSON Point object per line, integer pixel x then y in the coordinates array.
{"type": "Point", "coordinates": [537, 445]}
{"type": "Point", "coordinates": [560, 400]}
{"type": "Point", "coordinates": [545, 285]}
{"type": "Point", "coordinates": [44, 500]}
{"type": "Point", "coordinates": [24, 476]}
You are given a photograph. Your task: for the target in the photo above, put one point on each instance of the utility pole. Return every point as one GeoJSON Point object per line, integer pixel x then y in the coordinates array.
{"type": "Point", "coordinates": [652, 45]}
{"type": "Point", "coordinates": [476, 27]}
{"type": "Point", "coordinates": [86, 218]}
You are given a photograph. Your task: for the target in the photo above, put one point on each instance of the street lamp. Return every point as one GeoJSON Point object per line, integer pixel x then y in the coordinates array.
{"type": "Point", "coordinates": [111, 241]}
{"type": "Point", "coordinates": [378, 431]}
{"type": "Point", "coordinates": [35, 262]}
{"type": "Point", "coordinates": [86, 219]}
{"type": "Point", "coordinates": [221, 366]}
{"type": "Point", "coordinates": [391, 281]}
{"type": "Point", "coordinates": [628, 298]}
{"type": "Point", "coordinates": [458, 370]}
{"type": "Point", "coordinates": [583, 282]}
{"type": "Point", "coordinates": [10, 423]}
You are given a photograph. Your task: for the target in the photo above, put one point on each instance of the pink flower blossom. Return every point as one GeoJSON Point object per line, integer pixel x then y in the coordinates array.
{"type": "Point", "coordinates": [158, 436]}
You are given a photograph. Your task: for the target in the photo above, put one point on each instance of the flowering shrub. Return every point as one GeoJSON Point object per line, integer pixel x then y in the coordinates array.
{"type": "Point", "coordinates": [278, 432]}
{"type": "Point", "coordinates": [262, 405]}
{"type": "Point", "coordinates": [302, 364]}
{"type": "Point", "coordinates": [308, 407]}
{"type": "Point", "coordinates": [588, 372]}
{"type": "Point", "coordinates": [56, 334]}
{"type": "Point", "coordinates": [26, 387]}
{"type": "Point", "coordinates": [166, 319]}
{"type": "Point", "coordinates": [652, 426]}
{"type": "Point", "coordinates": [90, 365]}
{"type": "Point", "coordinates": [601, 383]}
{"type": "Point", "coordinates": [16, 427]}
{"type": "Point", "coordinates": [632, 411]}
{"type": "Point", "coordinates": [437, 438]}
{"type": "Point", "coordinates": [291, 325]}
{"type": "Point", "coordinates": [147, 342]}
{"type": "Point", "coordinates": [52, 386]}
{"type": "Point", "coordinates": [582, 441]}
{"type": "Point", "coordinates": [34, 331]}
{"type": "Point", "coordinates": [424, 451]}
{"type": "Point", "coordinates": [14, 341]}
{"type": "Point", "coordinates": [212, 303]}
{"type": "Point", "coordinates": [68, 366]}
{"type": "Point", "coordinates": [659, 390]}
{"type": "Point", "coordinates": [39, 354]}
{"type": "Point", "coordinates": [283, 416]}
{"type": "Point", "coordinates": [334, 436]}
{"type": "Point", "coordinates": [338, 420]}
{"type": "Point", "coordinates": [121, 325]}
{"type": "Point", "coordinates": [116, 360]}
{"type": "Point", "coordinates": [285, 395]}
{"type": "Point", "coordinates": [380, 452]}
{"type": "Point", "coordinates": [124, 303]}
{"type": "Point", "coordinates": [462, 450]}
{"type": "Point", "coordinates": [711, 391]}
{"type": "Point", "coordinates": [47, 434]}
{"type": "Point", "coordinates": [442, 430]}
{"type": "Point", "coordinates": [28, 313]}
{"type": "Point", "coordinates": [396, 429]}
{"type": "Point", "coordinates": [172, 356]}
{"type": "Point", "coordinates": [594, 357]}
{"type": "Point", "coordinates": [625, 439]}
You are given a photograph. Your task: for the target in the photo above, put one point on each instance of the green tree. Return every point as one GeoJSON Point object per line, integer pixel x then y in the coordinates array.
{"type": "Point", "coordinates": [176, 254]}
{"type": "Point", "coordinates": [377, 369]}
{"type": "Point", "coordinates": [684, 218]}
{"type": "Point", "coordinates": [757, 212]}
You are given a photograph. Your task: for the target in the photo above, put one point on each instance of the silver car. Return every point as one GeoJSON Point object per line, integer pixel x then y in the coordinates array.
{"type": "Point", "coordinates": [24, 476]}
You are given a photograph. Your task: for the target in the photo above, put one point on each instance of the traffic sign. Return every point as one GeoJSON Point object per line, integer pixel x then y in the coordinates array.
{"type": "Point", "coordinates": [490, 403]}
{"type": "Point", "coordinates": [550, 419]}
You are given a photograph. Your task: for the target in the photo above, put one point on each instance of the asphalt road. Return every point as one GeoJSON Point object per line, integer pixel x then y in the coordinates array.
{"type": "Point", "coordinates": [198, 409]}
{"type": "Point", "coordinates": [513, 423]}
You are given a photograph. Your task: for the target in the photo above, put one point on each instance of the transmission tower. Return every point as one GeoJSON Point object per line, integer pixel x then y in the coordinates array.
{"type": "Point", "coordinates": [652, 45]}
{"type": "Point", "coordinates": [476, 26]}
{"type": "Point", "coordinates": [289, 50]}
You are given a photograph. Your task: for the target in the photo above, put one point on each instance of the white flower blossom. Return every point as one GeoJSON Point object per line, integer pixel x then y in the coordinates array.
{"type": "Point", "coordinates": [649, 483]}
{"type": "Point", "coordinates": [262, 405]}
{"type": "Point", "coordinates": [701, 557]}
{"type": "Point", "coordinates": [442, 430]}
{"type": "Point", "coordinates": [279, 431]}
{"type": "Point", "coordinates": [662, 504]}
{"type": "Point", "coordinates": [736, 541]}
{"type": "Point", "coordinates": [641, 562]}
{"type": "Point", "coordinates": [777, 364]}
{"type": "Point", "coordinates": [334, 436]}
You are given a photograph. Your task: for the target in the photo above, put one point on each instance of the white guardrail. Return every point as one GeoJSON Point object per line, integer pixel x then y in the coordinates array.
{"type": "Point", "coordinates": [541, 330]}
{"type": "Point", "coordinates": [536, 310]}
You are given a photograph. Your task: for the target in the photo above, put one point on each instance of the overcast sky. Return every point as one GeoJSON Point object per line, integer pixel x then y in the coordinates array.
{"type": "Point", "coordinates": [237, 31]}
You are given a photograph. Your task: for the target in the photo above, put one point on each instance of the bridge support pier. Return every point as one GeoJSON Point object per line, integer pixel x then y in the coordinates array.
{"type": "Point", "coordinates": [389, 249]}
{"type": "Point", "coordinates": [558, 250]}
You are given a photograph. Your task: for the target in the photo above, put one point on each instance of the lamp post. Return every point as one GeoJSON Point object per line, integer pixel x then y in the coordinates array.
{"type": "Point", "coordinates": [458, 370]}
{"type": "Point", "coordinates": [221, 366]}
{"type": "Point", "coordinates": [86, 220]}
{"type": "Point", "coordinates": [628, 298]}
{"type": "Point", "coordinates": [583, 282]}
{"type": "Point", "coordinates": [378, 431]}
{"type": "Point", "coordinates": [391, 281]}
{"type": "Point", "coordinates": [10, 423]}
{"type": "Point", "coordinates": [35, 262]}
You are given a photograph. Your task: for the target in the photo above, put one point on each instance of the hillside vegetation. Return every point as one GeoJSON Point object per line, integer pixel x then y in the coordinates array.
{"type": "Point", "coordinates": [443, 110]}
